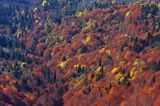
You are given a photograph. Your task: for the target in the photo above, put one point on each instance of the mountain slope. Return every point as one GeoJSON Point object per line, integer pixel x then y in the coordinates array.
{"type": "Point", "coordinates": [108, 55]}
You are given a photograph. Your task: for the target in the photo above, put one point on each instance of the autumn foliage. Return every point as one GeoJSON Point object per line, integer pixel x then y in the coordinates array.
{"type": "Point", "coordinates": [96, 57]}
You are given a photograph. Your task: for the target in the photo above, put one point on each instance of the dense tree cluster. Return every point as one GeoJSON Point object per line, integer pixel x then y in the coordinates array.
{"type": "Point", "coordinates": [93, 53]}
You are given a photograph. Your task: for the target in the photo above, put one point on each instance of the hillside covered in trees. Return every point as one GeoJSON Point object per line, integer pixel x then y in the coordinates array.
{"type": "Point", "coordinates": [79, 53]}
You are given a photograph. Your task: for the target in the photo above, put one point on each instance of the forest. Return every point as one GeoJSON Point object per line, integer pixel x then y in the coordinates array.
{"type": "Point", "coordinates": [79, 53]}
